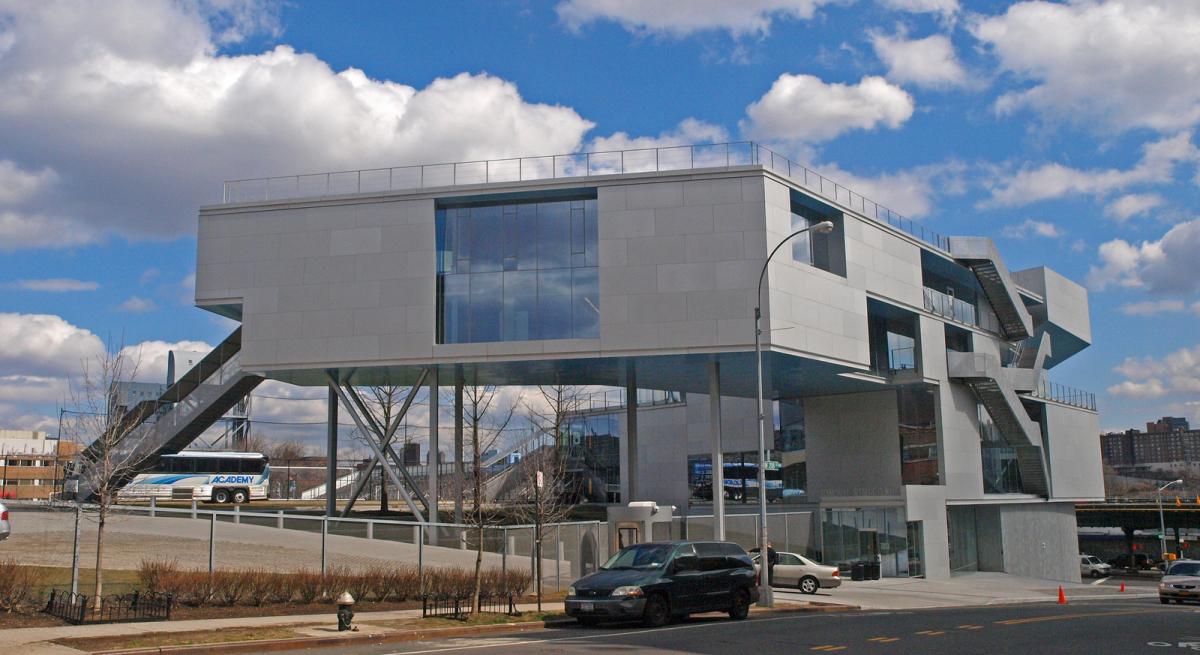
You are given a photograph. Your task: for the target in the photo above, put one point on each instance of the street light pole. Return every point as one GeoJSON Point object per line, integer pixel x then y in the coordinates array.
{"type": "Point", "coordinates": [765, 597]}
{"type": "Point", "coordinates": [1162, 525]}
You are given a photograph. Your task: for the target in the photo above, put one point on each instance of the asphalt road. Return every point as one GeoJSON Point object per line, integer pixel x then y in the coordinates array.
{"type": "Point", "coordinates": [1091, 628]}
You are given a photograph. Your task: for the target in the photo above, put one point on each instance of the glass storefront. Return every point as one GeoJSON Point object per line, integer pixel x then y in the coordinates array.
{"type": "Point", "coordinates": [517, 271]}
{"type": "Point", "coordinates": [866, 535]}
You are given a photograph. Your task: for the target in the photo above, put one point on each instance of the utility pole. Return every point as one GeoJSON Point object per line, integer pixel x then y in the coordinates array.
{"type": "Point", "coordinates": [537, 534]}
{"type": "Point", "coordinates": [75, 553]}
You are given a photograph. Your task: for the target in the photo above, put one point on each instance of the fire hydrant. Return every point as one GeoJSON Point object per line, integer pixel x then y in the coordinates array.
{"type": "Point", "coordinates": [344, 613]}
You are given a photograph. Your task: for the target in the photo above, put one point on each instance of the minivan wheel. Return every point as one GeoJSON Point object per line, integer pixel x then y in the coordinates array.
{"type": "Point", "coordinates": [809, 585]}
{"type": "Point", "coordinates": [741, 605]}
{"type": "Point", "coordinates": [656, 613]}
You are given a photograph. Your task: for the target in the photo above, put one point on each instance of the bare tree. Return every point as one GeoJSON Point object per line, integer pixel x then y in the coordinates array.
{"type": "Point", "coordinates": [483, 424]}
{"type": "Point", "coordinates": [112, 435]}
{"type": "Point", "coordinates": [383, 402]}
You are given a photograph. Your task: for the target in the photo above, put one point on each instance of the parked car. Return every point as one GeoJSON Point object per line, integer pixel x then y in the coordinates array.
{"type": "Point", "coordinates": [660, 581]}
{"type": "Point", "coordinates": [1091, 566]}
{"type": "Point", "coordinates": [1181, 582]}
{"type": "Point", "coordinates": [793, 570]}
{"type": "Point", "coordinates": [1138, 561]}
{"type": "Point", "coordinates": [5, 525]}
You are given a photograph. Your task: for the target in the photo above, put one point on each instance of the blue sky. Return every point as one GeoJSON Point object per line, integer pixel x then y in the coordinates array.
{"type": "Point", "coordinates": [1063, 130]}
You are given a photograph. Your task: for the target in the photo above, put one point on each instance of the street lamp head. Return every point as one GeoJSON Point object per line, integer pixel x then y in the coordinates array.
{"type": "Point", "coordinates": [1180, 481]}
{"type": "Point", "coordinates": [824, 227]}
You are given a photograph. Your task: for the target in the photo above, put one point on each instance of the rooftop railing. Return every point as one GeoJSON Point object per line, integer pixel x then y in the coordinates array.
{"type": "Point", "coordinates": [1061, 393]}
{"type": "Point", "coordinates": [582, 164]}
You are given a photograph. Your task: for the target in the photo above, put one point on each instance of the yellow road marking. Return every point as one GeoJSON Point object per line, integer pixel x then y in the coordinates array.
{"type": "Point", "coordinates": [884, 640]}
{"type": "Point", "coordinates": [1063, 617]}
{"type": "Point", "coordinates": [828, 648]}
{"type": "Point", "coordinates": [931, 633]}
{"type": "Point", "coordinates": [970, 627]}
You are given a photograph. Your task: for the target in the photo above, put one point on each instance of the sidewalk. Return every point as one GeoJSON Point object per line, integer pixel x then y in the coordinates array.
{"type": "Point", "coordinates": [35, 640]}
{"type": "Point", "coordinates": [961, 591]}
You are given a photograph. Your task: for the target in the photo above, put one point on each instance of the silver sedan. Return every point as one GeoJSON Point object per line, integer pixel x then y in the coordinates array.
{"type": "Point", "coordinates": [798, 571]}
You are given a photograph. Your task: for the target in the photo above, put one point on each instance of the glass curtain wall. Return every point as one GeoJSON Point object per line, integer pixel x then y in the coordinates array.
{"type": "Point", "coordinates": [866, 535]}
{"type": "Point", "coordinates": [592, 452]}
{"type": "Point", "coordinates": [1001, 474]}
{"type": "Point", "coordinates": [517, 271]}
{"type": "Point", "coordinates": [919, 462]}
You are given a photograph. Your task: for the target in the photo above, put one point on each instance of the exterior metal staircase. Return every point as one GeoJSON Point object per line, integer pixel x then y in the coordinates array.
{"type": "Point", "coordinates": [989, 381]}
{"type": "Point", "coordinates": [980, 255]}
{"type": "Point", "coordinates": [168, 424]}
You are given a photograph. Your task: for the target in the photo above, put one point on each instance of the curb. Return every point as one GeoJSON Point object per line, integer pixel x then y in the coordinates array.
{"type": "Point", "coordinates": [359, 638]}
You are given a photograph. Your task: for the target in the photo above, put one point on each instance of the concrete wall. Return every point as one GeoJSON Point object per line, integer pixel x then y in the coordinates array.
{"type": "Point", "coordinates": [989, 538]}
{"type": "Point", "coordinates": [927, 504]}
{"type": "Point", "coordinates": [1073, 453]}
{"type": "Point", "coordinates": [1041, 540]}
{"type": "Point", "coordinates": [962, 460]}
{"type": "Point", "coordinates": [853, 444]}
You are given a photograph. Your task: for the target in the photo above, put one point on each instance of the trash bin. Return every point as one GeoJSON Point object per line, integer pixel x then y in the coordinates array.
{"type": "Point", "coordinates": [872, 571]}
{"type": "Point", "coordinates": [858, 571]}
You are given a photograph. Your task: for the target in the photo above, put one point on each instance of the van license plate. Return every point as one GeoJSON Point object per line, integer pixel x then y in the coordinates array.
{"type": "Point", "coordinates": [587, 607]}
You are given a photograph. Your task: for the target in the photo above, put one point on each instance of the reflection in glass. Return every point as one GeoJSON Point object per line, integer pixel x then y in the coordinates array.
{"type": "Point", "coordinates": [518, 271]}
{"type": "Point", "coordinates": [918, 435]}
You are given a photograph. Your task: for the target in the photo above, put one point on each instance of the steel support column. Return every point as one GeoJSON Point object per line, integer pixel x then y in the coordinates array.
{"type": "Point", "coordinates": [458, 445]}
{"type": "Point", "coordinates": [434, 445]}
{"type": "Point", "coordinates": [718, 457]}
{"type": "Point", "coordinates": [331, 446]}
{"type": "Point", "coordinates": [384, 434]}
{"type": "Point", "coordinates": [631, 435]}
{"type": "Point", "coordinates": [350, 398]}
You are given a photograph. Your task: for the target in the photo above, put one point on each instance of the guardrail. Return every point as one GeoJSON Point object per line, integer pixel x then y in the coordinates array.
{"type": "Point", "coordinates": [580, 164]}
{"type": "Point", "coordinates": [1061, 393]}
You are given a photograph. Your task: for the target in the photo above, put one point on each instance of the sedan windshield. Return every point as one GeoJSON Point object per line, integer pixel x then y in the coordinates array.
{"type": "Point", "coordinates": [641, 556]}
{"type": "Point", "coordinates": [1185, 568]}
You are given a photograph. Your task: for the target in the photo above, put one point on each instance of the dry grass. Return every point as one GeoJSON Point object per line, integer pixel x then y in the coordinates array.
{"type": "Point", "coordinates": [154, 639]}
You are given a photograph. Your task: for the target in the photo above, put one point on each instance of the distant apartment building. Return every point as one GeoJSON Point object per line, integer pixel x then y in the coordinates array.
{"type": "Point", "coordinates": [1135, 448]}
{"type": "Point", "coordinates": [31, 464]}
{"type": "Point", "coordinates": [1168, 424]}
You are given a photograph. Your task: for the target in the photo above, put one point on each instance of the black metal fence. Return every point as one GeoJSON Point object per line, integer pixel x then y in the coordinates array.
{"type": "Point", "coordinates": [81, 609]}
{"type": "Point", "coordinates": [459, 606]}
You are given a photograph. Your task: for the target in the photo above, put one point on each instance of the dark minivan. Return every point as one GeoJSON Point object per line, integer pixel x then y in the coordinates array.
{"type": "Point", "coordinates": [660, 581]}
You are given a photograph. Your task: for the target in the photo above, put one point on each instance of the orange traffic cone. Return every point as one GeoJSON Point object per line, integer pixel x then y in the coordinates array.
{"type": "Point", "coordinates": [1062, 598]}
{"type": "Point", "coordinates": [1122, 587]}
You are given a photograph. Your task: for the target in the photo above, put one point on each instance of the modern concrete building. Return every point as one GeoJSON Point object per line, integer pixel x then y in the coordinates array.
{"type": "Point", "coordinates": [914, 417]}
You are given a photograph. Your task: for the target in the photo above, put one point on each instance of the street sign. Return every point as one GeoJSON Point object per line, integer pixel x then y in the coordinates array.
{"type": "Point", "coordinates": [541, 480]}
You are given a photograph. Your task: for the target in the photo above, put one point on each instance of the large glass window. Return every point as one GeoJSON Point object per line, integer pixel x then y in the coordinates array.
{"type": "Point", "coordinates": [518, 270]}
{"type": "Point", "coordinates": [824, 251]}
{"type": "Point", "coordinates": [918, 435]}
{"type": "Point", "coordinates": [1001, 473]}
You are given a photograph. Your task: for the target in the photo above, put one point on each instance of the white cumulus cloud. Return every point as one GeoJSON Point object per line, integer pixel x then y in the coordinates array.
{"type": "Point", "coordinates": [928, 62]}
{"type": "Point", "coordinates": [1152, 307]}
{"type": "Point", "coordinates": [1032, 184]}
{"type": "Point", "coordinates": [145, 83]}
{"type": "Point", "coordinates": [679, 18]}
{"type": "Point", "coordinates": [1122, 64]}
{"type": "Point", "coordinates": [1152, 377]}
{"type": "Point", "coordinates": [53, 285]}
{"type": "Point", "coordinates": [806, 109]}
{"type": "Point", "coordinates": [1132, 204]}
{"type": "Point", "coordinates": [689, 131]}
{"type": "Point", "coordinates": [1167, 265]}
{"type": "Point", "coordinates": [1030, 227]}
{"type": "Point", "coordinates": [44, 345]}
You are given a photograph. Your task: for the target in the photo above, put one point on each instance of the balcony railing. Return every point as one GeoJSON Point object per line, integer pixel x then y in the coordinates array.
{"type": "Point", "coordinates": [1061, 393]}
{"type": "Point", "coordinates": [550, 167]}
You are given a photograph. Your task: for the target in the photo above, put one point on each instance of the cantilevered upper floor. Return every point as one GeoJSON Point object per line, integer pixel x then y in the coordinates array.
{"type": "Point", "coordinates": [565, 268]}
